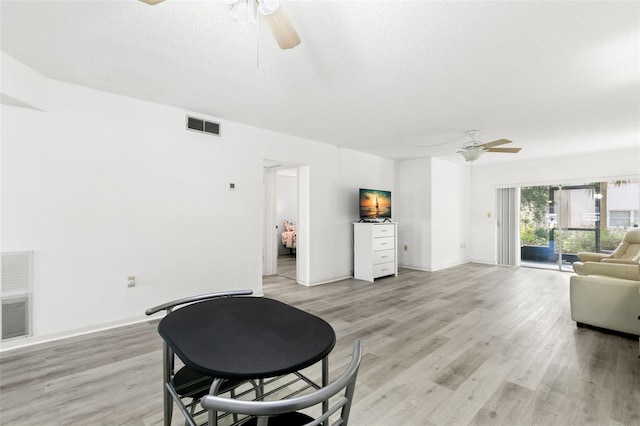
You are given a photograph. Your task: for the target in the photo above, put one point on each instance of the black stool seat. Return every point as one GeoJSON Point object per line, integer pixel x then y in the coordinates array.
{"type": "Point", "coordinates": [287, 419]}
{"type": "Point", "coordinates": [192, 384]}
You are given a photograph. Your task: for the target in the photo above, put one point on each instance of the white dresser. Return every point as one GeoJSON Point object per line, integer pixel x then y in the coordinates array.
{"type": "Point", "coordinates": [374, 250]}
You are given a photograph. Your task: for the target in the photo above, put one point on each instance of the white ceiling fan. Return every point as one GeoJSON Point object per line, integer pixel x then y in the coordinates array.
{"type": "Point", "coordinates": [274, 15]}
{"type": "Point", "coordinates": [473, 149]}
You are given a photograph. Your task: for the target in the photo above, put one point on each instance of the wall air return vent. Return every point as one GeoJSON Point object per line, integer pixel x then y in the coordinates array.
{"type": "Point", "coordinates": [202, 126]}
{"type": "Point", "coordinates": [15, 294]}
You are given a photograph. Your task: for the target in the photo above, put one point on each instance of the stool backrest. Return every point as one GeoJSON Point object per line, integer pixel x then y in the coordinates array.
{"type": "Point", "coordinates": [263, 410]}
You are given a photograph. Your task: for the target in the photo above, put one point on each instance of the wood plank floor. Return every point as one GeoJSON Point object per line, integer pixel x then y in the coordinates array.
{"type": "Point", "coordinates": [287, 265]}
{"type": "Point", "coordinates": [474, 344]}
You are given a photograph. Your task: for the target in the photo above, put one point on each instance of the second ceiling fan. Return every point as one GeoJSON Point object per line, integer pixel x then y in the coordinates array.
{"type": "Point", "coordinates": [473, 149]}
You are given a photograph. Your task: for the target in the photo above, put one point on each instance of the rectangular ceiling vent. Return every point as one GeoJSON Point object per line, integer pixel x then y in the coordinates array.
{"type": "Point", "coordinates": [202, 126]}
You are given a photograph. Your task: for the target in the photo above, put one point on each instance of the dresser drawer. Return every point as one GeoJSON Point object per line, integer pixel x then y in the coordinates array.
{"type": "Point", "coordinates": [382, 269]}
{"type": "Point", "coordinates": [385, 243]}
{"type": "Point", "coordinates": [383, 231]}
{"type": "Point", "coordinates": [384, 256]}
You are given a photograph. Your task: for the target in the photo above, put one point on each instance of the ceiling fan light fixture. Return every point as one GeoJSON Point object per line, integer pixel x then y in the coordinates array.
{"type": "Point", "coordinates": [267, 7]}
{"type": "Point", "coordinates": [244, 12]}
{"type": "Point", "coordinates": [472, 154]}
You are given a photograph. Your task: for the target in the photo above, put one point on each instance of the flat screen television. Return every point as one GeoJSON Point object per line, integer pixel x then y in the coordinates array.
{"type": "Point", "coordinates": [375, 204]}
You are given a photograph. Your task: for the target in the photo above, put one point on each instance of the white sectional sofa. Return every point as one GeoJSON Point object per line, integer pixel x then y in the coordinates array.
{"type": "Point", "coordinates": [607, 295]}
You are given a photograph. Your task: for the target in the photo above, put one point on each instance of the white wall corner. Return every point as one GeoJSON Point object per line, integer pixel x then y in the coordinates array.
{"type": "Point", "coordinates": [21, 86]}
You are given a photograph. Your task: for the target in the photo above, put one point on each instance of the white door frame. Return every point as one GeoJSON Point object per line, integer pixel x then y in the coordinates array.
{"type": "Point", "coordinates": [270, 232]}
{"type": "Point", "coordinates": [269, 242]}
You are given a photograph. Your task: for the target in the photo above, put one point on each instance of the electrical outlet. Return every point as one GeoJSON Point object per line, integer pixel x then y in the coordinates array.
{"type": "Point", "coordinates": [131, 281]}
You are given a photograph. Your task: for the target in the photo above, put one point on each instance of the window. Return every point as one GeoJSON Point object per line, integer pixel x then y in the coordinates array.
{"type": "Point", "coordinates": [619, 218]}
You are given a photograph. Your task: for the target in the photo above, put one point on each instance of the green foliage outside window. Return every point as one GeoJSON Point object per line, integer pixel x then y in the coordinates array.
{"type": "Point", "coordinates": [578, 241]}
{"type": "Point", "coordinates": [534, 226]}
{"type": "Point", "coordinates": [534, 202]}
{"type": "Point", "coordinates": [532, 235]}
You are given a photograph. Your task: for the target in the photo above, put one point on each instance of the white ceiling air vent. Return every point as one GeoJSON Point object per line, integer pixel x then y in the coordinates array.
{"type": "Point", "coordinates": [202, 126]}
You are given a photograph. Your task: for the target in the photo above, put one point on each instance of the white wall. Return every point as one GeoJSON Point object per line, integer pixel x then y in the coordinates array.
{"type": "Point", "coordinates": [434, 212]}
{"type": "Point", "coordinates": [353, 170]}
{"type": "Point", "coordinates": [450, 214]}
{"type": "Point", "coordinates": [577, 168]}
{"type": "Point", "coordinates": [20, 85]}
{"type": "Point", "coordinates": [413, 183]}
{"type": "Point", "coordinates": [103, 186]}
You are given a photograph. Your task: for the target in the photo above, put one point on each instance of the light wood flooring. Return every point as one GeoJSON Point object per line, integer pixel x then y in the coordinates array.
{"type": "Point", "coordinates": [287, 265]}
{"type": "Point", "coordinates": [474, 344]}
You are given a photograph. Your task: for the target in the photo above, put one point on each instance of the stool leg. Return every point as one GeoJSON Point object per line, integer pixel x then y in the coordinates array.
{"type": "Point", "coordinates": [233, 396]}
{"type": "Point", "coordinates": [166, 376]}
{"type": "Point", "coordinates": [325, 382]}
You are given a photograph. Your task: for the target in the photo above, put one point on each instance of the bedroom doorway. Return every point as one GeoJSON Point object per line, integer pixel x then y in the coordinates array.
{"type": "Point", "coordinates": [281, 247]}
{"type": "Point", "coordinates": [287, 221]}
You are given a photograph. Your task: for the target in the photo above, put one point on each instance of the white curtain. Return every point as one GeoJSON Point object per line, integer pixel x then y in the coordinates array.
{"type": "Point", "coordinates": [508, 218]}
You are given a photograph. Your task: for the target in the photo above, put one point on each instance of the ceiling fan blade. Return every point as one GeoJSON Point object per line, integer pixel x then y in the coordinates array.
{"type": "Point", "coordinates": [151, 2]}
{"type": "Point", "coordinates": [496, 143]}
{"type": "Point", "coordinates": [282, 29]}
{"type": "Point", "coordinates": [510, 150]}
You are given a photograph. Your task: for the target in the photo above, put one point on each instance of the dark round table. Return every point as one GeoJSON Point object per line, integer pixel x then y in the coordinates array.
{"type": "Point", "coordinates": [246, 337]}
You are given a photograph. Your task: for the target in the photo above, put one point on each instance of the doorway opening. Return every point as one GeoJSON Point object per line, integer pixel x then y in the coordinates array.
{"type": "Point", "coordinates": [559, 221]}
{"type": "Point", "coordinates": [287, 221]}
{"type": "Point", "coordinates": [283, 253]}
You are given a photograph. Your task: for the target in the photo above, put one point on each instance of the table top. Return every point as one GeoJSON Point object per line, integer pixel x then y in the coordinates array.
{"type": "Point", "coordinates": [246, 337]}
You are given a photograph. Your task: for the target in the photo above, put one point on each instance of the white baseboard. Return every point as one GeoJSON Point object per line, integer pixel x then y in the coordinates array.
{"type": "Point", "coordinates": [332, 280]}
{"type": "Point", "coordinates": [24, 342]}
{"type": "Point", "coordinates": [417, 268]}
{"type": "Point", "coordinates": [36, 340]}
{"type": "Point", "coordinates": [414, 268]}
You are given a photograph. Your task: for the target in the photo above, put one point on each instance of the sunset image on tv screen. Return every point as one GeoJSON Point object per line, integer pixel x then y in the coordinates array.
{"type": "Point", "coordinates": [375, 204]}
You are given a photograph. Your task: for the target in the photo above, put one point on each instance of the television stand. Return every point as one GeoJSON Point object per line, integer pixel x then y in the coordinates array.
{"type": "Point", "coordinates": [374, 250]}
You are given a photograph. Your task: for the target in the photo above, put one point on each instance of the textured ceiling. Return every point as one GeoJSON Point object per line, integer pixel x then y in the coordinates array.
{"type": "Point", "coordinates": [400, 79]}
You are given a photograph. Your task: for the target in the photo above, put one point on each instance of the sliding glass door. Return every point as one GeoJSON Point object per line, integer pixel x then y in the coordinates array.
{"type": "Point", "coordinates": [559, 221]}
{"type": "Point", "coordinates": [574, 216]}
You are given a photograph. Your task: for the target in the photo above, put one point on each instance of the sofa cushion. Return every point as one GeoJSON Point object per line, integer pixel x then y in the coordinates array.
{"type": "Point", "coordinates": [629, 248]}
{"type": "Point", "coordinates": [616, 270]}
{"type": "Point", "coordinates": [606, 302]}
